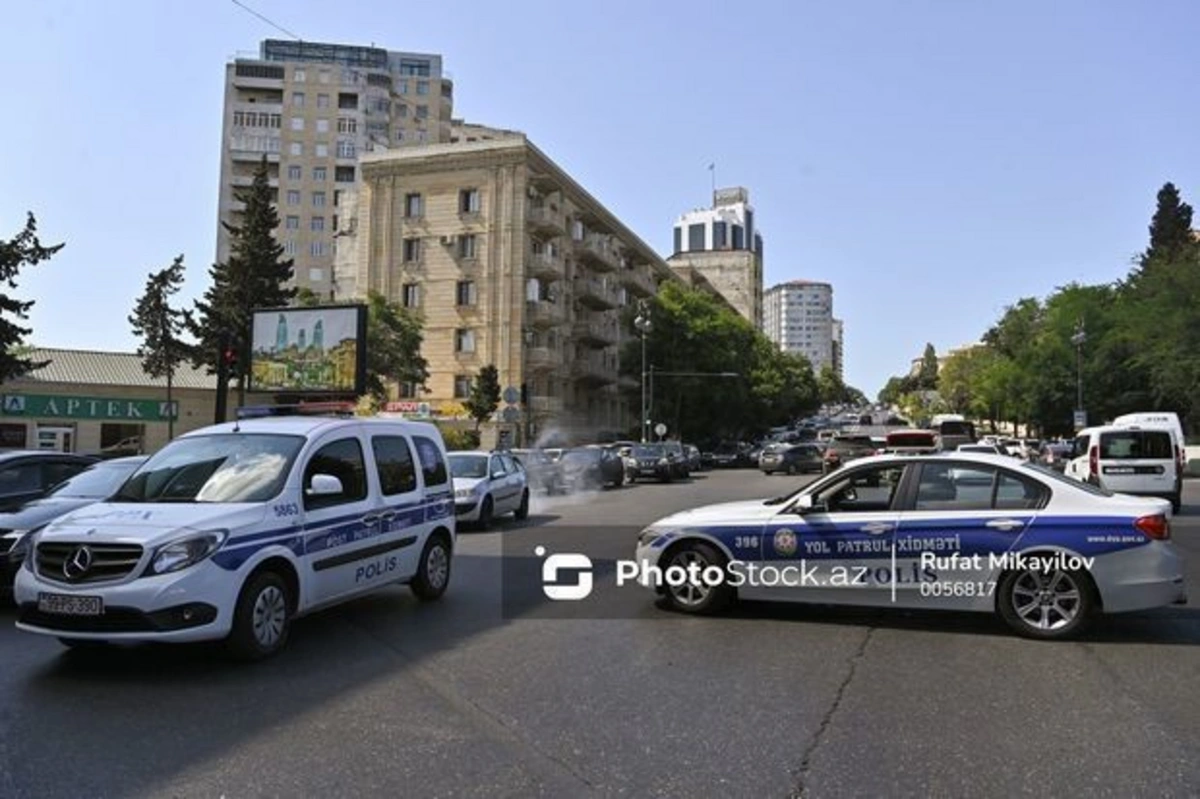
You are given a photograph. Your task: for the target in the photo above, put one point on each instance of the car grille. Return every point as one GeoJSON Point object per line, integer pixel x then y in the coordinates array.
{"type": "Point", "coordinates": [106, 561]}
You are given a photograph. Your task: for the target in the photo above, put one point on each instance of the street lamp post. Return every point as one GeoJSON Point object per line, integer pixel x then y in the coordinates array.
{"type": "Point", "coordinates": [643, 325]}
{"type": "Point", "coordinates": [1078, 339]}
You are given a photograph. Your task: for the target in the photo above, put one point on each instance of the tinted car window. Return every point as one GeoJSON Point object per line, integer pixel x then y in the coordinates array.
{"type": "Point", "coordinates": [949, 487]}
{"type": "Point", "coordinates": [394, 464]}
{"type": "Point", "coordinates": [21, 478]}
{"type": "Point", "coordinates": [1133, 444]}
{"type": "Point", "coordinates": [433, 466]}
{"type": "Point", "coordinates": [1015, 493]}
{"type": "Point", "coordinates": [55, 472]}
{"type": "Point", "coordinates": [342, 459]}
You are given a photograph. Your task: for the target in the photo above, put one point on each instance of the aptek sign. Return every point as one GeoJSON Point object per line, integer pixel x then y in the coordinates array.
{"type": "Point", "coordinates": [64, 407]}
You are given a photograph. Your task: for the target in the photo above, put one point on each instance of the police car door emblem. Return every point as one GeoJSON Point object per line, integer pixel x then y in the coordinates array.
{"type": "Point", "coordinates": [785, 542]}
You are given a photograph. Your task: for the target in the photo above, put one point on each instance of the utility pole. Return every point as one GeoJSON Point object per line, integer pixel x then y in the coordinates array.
{"type": "Point", "coordinates": [1078, 339]}
{"type": "Point", "coordinates": [643, 325]}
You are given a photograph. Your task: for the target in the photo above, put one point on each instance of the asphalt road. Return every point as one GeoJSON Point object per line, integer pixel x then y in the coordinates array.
{"type": "Point", "coordinates": [482, 694]}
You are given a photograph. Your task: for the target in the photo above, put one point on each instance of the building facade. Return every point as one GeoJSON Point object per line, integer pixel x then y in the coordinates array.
{"type": "Point", "coordinates": [101, 403]}
{"type": "Point", "coordinates": [839, 348]}
{"type": "Point", "coordinates": [798, 318]}
{"type": "Point", "coordinates": [724, 245]}
{"type": "Point", "coordinates": [311, 108]}
{"type": "Point", "coordinates": [510, 262]}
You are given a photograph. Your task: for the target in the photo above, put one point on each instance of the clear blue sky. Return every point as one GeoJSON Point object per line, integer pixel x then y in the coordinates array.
{"type": "Point", "coordinates": [933, 160]}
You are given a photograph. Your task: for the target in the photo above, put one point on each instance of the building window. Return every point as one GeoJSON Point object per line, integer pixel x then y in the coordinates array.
{"type": "Point", "coordinates": [412, 206]}
{"type": "Point", "coordinates": [322, 101]}
{"type": "Point", "coordinates": [466, 292]}
{"type": "Point", "coordinates": [289, 247]}
{"type": "Point", "coordinates": [695, 237]}
{"type": "Point", "coordinates": [319, 174]}
{"type": "Point", "coordinates": [462, 386]}
{"type": "Point", "coordinates": [749, 227]}
{"type": "Point", "coordinates": [322, 151]}
{"type": "Point", "coordinates": [293, 197]}
{"type": "Point", "coordinates": [348, 102]}
{"type": "Point", "coordinates": [337, 198]}
{"type": "Point", "coordinates": [399, 135]}
{"type": "Point", "coordinates": [347, 125]}
{"type": "Point", "coordinates": [408, 390]}
{"type": "Point", "coordinates": [422, 87]}
{"type": "Point", "coordinates": [739, 238]}
{"type": "Point", "coordinates": [316, 249]}
{"type": "Point", "coordinates": [322, 126]}
{"type": "Point", "coordinates": [297, 123]}
{"type": "Point", "coordinates": [319, 199]}
{"type": "Point", "coordinates": [577, 230]}
{"type": "Point", "coordinates": [403, 87]}
{"type": "Point", "coordinates": [402, 110]}
{"type": "Point", "coordinates": [412, 251]}
{"type": "Point", "coordinates": [468, 201]}
{"type": "Point", "coordinates": [344, 174]}
{"type": "Point", "coordinates": [294, 172]}
{"type": "Point", "coordinates": [298, 75]}
{"type": "Point", "coordinates": [720, 235]}
{"type": "Point", "coordinates": [422, 111]}
{"type": "Point", "coordinates": [298, 99]}
{"type": "Point", "coordinates": [464, 340]}
{"type": "Point", "coordinates": [410, 295]}
{"type": "Point", "coordinates": [346, 148]}
{"type": "Point", "coordinates": [296, 148]}
{"type": "Point", "coordinates": [414, 67]}
{"type": "Point", "coordinates": [292, 223]}
{"type": "Point", "coordinates": [317, 223]}
{"type": "Point", "coordinates": [466, 245]}
{"type": "Point", "coordinates": [678, 239]}
{"type": "Point", "coordinates": [316, 274]}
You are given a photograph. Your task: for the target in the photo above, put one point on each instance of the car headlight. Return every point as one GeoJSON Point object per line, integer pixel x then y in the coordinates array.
{"type": "Point", "coordinates": [29, 541]}
{"type": "Point", "coordinates": [464, 493]}
{"type": "Point", "coordinates": [645, 537]}
{"type": "Point", "coordinates": [664, 462]}
{"type": "Point", "coordinates": [188, 551]}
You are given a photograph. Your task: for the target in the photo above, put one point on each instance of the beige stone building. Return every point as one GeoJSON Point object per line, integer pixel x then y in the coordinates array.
{"type": "Point", "coordinates": [312, 108]}
{"type": "Point", "coordinates": [101, 402]}
{"type": "Point", "coordinates": [510, 262]}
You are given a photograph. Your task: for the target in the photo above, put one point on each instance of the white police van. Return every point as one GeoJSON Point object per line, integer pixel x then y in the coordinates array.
{"type": "Point", "coordinates": [232, 531]}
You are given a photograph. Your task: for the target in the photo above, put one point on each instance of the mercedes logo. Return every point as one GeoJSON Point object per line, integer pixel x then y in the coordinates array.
{"type": "Point", "coordinates": [77, 563]}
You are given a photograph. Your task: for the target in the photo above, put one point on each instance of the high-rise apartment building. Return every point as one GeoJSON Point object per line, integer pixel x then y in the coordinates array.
{"type": "Point", "coordinates": [510, 262]}
{"type": "Point", "coordinates": [723, 244]}
{"type": "Point", "coordinates": [798, 318]}
{"type": "Point", "coordinates": [312, 108]}
{"type": "Point", "coordinates": [839, 348]}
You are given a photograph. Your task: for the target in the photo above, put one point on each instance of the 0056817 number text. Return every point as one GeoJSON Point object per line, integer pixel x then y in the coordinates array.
{"type": "Point", "coordinates": [959, 588]}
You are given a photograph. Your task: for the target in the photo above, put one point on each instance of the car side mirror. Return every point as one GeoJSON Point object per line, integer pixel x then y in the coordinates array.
{"type": "Point", "coordinates": [498, 475]}
{"type": "Point", "coordinates": [325, 485]}
{"type": "Point", "coordinates": [804, 504]}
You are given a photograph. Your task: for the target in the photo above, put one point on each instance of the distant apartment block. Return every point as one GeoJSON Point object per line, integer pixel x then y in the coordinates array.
{"type": "Point", "coordinates": [798, 318]}
{"type": "Point", "coordinates": [839, 348]}
{"type": "Point", "coordinates": [723, 245]}
{"type": "Point", "coordinates": [313, 108]}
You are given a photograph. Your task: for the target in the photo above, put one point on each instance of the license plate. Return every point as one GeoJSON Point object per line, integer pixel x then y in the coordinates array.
{"type": "Point", "coordinates": [1119, 470]}
{"type": "Point", "coordinates": [68, 605]}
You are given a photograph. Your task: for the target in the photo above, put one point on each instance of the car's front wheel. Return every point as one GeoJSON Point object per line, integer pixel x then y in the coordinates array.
{"type": "Point", "coordinates": [522, 511]}
{"type": "Point", "coordinates": [705, 595]}
{"type": "Point", "coordinates": [1046, 603]}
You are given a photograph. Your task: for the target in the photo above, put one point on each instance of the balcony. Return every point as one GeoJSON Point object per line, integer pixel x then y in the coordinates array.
{"type": "Point", "coordinates": [639, 282]}
{"type": "Point", "coordinates": [253, 156]}
{"type": "Point", "coordinates": [545, 220]}
{"type": "Point", "coordinates": [595, 334]}
{"type": "Point", "coordinates": [596, 294]}
{"type": "Point", "coordinates": [544, 266]}
{"type": "Point", "coordinates": [246, 181]}
{"type": "Point", "coordinates": [541, 313]}
{"type": "Point", "coordinates": [543, 359]}
{"type": "Point", "coordinates": [546, 405]}
{"type": "Point", "coordinates": [594, 371]}
{"type": "Point", "coordinates": [597, 252]}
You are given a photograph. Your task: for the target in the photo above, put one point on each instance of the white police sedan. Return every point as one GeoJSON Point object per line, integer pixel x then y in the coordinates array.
{"type": "Point", "coordinates": [960, 531]}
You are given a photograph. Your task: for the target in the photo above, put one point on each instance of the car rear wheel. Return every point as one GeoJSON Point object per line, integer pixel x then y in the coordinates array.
{"type": "Point", "coordinates": [1047, 603]}
{"type": "Point", "coordinates": [433, 572]}
{"type": "Point", "coordinates": [699, 596]}
{"type": "Point", "coordinates": [486, 512]}
{"type": "Point", "coordinates": [522, 511]}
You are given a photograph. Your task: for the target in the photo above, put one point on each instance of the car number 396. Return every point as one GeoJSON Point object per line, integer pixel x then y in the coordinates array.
{"type": "Point", "coordinates": [68, 605]}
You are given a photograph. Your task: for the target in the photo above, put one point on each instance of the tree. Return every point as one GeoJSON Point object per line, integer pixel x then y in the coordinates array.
{"type": "Point", "coordinates": [830, 388]}
{"type": "Point", "coordinates": [256, 275]}
{"type": "Point", "coordinates": [394, 338]}
{"type": "Point", "coordinates": [159, 327]}
{"type": "Point", "coordinates": [485, 395]}
{"type": "Point", "coordinates": [927, 375]}
{"type": "Point", "coordinates": [24, 249]}
{"type": "Point", "coordinates": [1170, 228]}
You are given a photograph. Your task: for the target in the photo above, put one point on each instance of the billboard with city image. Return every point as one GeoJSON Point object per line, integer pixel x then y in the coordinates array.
{"type": "Point", "coordinates": [318, 350]}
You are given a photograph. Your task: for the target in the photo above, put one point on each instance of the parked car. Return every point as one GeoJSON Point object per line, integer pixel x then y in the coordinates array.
{"type": "Point", "coordinates": [97, 482]}
{"type": "Point", "coordinates": [28, 474]}
{"type": "Point", "coordinates": [679, 461]}
{"type": "Point", "coordinates": [1056, 456]}
{"type": "Point", "coordinates": [694, 461]}
{"type": "Point", "coordinates": [655, 462]}
{"type": "Point", "coordinates": [838, 453]}
{"type": "Point", "coordinates": [542, 472]}
{"type": "Point", "coordinates": [592, 467]}
{"type": "Point", "coordinates": [984, 449]}
{"type": "Point", "coordinates": [791, 458]}
{"type": "Point", "coordinates": [487, 485]}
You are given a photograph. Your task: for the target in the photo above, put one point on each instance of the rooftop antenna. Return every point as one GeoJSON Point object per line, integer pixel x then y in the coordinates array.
{"type": "Point", "coordinates": [274, 25]}
{"type": "Point", "coordinates": [712, 172]}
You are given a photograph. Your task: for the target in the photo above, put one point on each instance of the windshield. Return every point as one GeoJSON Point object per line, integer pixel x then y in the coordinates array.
{"type": "Point", "coordinates": [647, 451]}
{"type": "Point", "coordinates": [582, 456]}
{"type": "Point", "coordinates": [98, 482]}
{"type": "Point", "coordinates": [470, 467]}
{"type": "Point", "coordinates": [1061, 478]}
{"type": "Point", "coordinates": [229, 467]}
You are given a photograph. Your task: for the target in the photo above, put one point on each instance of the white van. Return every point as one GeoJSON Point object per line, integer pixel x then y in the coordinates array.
{"type": "Point", "coordinates": [231, 531]}
{"type": "Point", "coordinates": [1128, 459]}
{"type": "Point", "coordinates": [1161, 419]}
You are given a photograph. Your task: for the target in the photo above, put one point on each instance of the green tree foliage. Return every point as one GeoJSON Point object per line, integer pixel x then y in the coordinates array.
{"type": "Point", "coordinates": [256, 275]}
{"type": "Point", "coordinates": [693, 333]}
{"type": "Point", "coordinates": [159, 326]}
{"type": "Point", "coordinates": [394, 336]}
{"type": "Point", "coordinates": [485, 395]}
{"type": "Point", "coordinates": [24, 249]}
{"type": "Point", "coordinates": [927, 376]}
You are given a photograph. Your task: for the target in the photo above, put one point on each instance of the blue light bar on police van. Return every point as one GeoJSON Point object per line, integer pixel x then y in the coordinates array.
{"type": "Point", "coordinates": [301, 409]}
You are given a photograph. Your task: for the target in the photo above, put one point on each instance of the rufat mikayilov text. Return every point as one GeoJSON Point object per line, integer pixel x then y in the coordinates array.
{"type": "Point", "coordinates": [1006, 561]}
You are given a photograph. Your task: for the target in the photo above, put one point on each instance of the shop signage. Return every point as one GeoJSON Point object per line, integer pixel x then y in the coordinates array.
{"type": "Point", "coordinates": [53, 406]}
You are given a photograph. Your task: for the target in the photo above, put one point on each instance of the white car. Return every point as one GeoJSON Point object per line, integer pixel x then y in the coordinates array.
{"type": "Point", "coordinates": [1129, 459]}
{"type": "Point", "coordinates": [231, 531]}
{"type": "Point", "coordinates": [955, 531]}
{"type": "Point", "coordinates": [487, 485]}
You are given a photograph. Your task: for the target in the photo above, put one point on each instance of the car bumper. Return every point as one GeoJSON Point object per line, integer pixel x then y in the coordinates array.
{"type": "Point", "coordinates": [467, 511]}
{"type": "Point", "coordinates": [1150, 576]}
{"type": "Point", "coordinates": [195, 604]}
